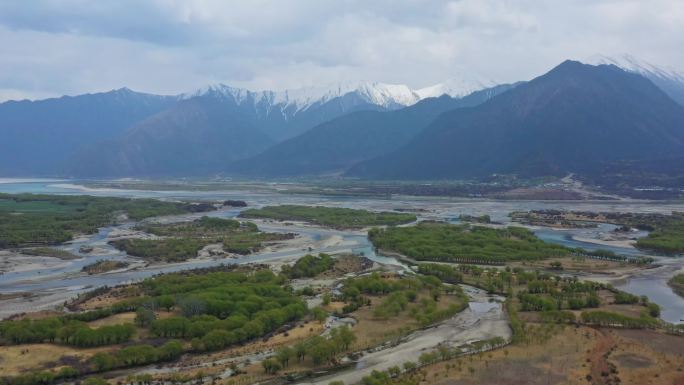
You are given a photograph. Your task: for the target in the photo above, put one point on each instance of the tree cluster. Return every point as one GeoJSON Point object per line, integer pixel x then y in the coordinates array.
{"type": "Point", "coordinates": [464, 243]}
{"type": "Point", "coordinates": [335, 217]}
{"type": "Point", "coordinates": [309, 266]}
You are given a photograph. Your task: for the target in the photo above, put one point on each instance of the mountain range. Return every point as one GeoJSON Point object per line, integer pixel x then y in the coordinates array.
{"type": "Point", "coordinates": [573, 119]}
{"type": "Point", "coordinates": [338, 144]}
{"type": "Point", "coordinates": [127, 133]}
{"type": "Point", "coordinates": [37, 136]}
{"type": "Point", "coordinates": [577, 118]}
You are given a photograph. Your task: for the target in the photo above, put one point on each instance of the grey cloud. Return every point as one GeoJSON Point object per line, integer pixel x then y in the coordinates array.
{"type": "Point", "coordinates": [165, 46]}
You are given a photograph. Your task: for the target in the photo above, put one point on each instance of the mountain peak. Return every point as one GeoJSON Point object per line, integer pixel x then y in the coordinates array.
{"type": "Point", "coordinates": [573, 119]}
{"type": "Point", "coordinates": [381, 94]}
{"type": "Point", "coordinates": [124, 90]}
{"type": "Point", "coordinates": [632, 64]}
{"type": "Point", "coordinates": [386, 95]}
{"type": "Point", "coordinates": [668, 79]}
{"type": "Point", "coordinates": [457, 86]}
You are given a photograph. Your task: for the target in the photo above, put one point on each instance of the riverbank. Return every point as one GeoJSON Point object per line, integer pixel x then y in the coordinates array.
{"type": "Point", "coordinates": [482, 320]}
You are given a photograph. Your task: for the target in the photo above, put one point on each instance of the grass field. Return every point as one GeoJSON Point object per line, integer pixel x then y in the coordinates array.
{"type": "Point", "coordinates": [26, 358]}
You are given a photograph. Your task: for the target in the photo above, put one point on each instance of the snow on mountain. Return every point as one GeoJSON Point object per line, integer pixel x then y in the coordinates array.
{"type": "Point", "coordinates": [456, 87]}
{"type": "Point", "coordinates": [389, 96]}
{"type": "Point", "coordinates": [381, 94]}
{"type": "Point", "coordinates": [631, 64]}
{"type": "Point", "coordinates": [670, 80]}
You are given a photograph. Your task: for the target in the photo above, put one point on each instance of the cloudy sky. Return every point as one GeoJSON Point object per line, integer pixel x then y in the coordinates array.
{"type": "Point", "coordinates": [60, 47]}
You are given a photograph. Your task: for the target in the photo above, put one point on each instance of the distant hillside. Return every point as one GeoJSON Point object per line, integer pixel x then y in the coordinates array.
{"type": "Point", "coordinates": [37, 136]}
{"type": "Point", "coordinates": [203, 133]}
{"type": "Point", "coordinates": [70, 135]}
{"type": "Point", "coordinates": [340, 143]}
{"type": "Point", "coordinates": [575, 118]}
{"type": "Point", "coordinates": [196, 137]}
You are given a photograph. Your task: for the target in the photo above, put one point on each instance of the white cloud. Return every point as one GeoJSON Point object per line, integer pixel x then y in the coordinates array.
{"type": "Point", "coordinates": [171, 46]}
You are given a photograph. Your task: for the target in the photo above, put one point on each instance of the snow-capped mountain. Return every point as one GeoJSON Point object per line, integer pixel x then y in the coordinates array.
{"type": "Point", "coordinates": [456, 87]}
{"type": "Point", "coordinates": [213, 126]}
{"type": "Point", "coordinates": [300, 99]}
{"type": "Point", "coordinates": [386, 96]}
{"type": "Point", "coordinates": [670, 80]}
{"type": "Point", "coordinates": [288, 113]}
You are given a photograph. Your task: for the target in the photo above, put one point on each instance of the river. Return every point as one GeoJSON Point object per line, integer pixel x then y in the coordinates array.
{"type": "Point", "coordinates": [57, 284]}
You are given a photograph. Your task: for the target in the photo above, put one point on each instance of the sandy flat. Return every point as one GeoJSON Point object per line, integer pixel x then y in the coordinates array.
{"type": "Point", "coordinates": [626, 243]}
{"type": "Point", "coordinates": [12, 262]}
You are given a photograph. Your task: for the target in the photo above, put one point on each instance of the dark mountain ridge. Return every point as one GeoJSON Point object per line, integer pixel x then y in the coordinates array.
{"type": "Point", "coordinates": [575, 118]}
{"type": "Point", "coordinates": [37, 136]}
{"type": "Point", "coordinates": [338, 144]}
{"type": "Point", "coordinates": [197, 136]}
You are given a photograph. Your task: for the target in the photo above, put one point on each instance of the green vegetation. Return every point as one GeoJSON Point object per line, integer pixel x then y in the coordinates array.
{"type": "Point", "coordinates": [167, 250]}
{"type": "Point", "coordinates": [464, 243]}
{"type": "Point", "coordinates": [402, 295]}
{"type": "Point", "coordinates": [42, 377]}
{"type": "Point", "coordinates": [605, 318]}
{"type": "Point", "coordinates": [103, 266]}
{"type": "Point", "coordinates": [668, 237]}
{"type": "Point", "coordinates": [518, 326]}
{"type": "Point", "coordinates": [215, 309]}
{"type": "Point", "coordinates": [555, 298]}
{"type": "Point", "coordinates": [608, 255]}
{"type": "Point", "coordinates": [558, 316]}
{"type": "Point", "coordinates": [57, 329]}
{"type": "Point", "coordinates": [205, 227]}
{"type": "Point", "coordinates": [319, 350]}
{"type": "Point", "coordinates": [223, 308]}
{"type": "Point", "coordinates": [445, 273]}
{"type": "Point", "coordinates": [184, 240]}
{"type": "Point", "coordinates": [135, 355]}
{"type": "Point", "coordinates": [27, 219]}
{"type": "Point", "coordinates": [309, 266]}
{"type": "Point", "coordinates": [677, 284]}
{"type": "Point", "coordinates": [546, 293]}
{"type": "Point", "coordinates": [330, 216]}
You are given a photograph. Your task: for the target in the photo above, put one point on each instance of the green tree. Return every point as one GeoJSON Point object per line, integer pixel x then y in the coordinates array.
{"type": "Point", "coordinates": [144, 317]}
{"type": "Point", "coordinates": [300, 350]}
{"type": "Point", "coordinates": [284, 355]}
{"type": "Point", "coordinates": [270, 366]}
{"type": "Point", "coordinates": [319, 314]}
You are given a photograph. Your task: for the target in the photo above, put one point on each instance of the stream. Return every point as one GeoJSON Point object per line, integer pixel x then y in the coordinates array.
{"type": "Point", "coordinates": [53, 286]}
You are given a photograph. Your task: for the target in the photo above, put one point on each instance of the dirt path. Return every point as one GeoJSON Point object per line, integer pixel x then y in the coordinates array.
{"type": "Point", "coordinates": [601, 373]}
